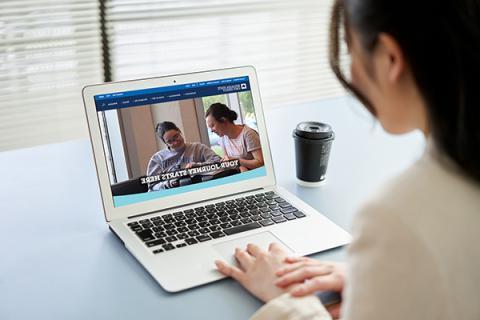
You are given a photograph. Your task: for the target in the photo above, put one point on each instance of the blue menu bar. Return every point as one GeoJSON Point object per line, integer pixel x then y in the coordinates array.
{"type": "Point", "coordinates": [126, 99]}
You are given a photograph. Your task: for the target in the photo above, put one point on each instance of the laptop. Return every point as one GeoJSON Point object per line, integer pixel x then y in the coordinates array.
{"type": "Point", "coordinates": [177, 218]}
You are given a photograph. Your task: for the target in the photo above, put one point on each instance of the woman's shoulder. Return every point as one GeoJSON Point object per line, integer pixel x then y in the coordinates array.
{"type": "Point", "coordinates": [427, 182]}
{"type": "Point", "coordinates": [426, 199]}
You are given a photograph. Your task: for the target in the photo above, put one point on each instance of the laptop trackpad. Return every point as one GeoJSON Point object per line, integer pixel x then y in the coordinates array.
{"type": "Point", "coordinates": [263, 240]}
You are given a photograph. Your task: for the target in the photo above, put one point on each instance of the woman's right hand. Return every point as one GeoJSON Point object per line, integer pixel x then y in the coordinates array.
{"type": "Point", "coordinates": [312, 275]}
{"type": "Point", "coordinates": [309, 276]}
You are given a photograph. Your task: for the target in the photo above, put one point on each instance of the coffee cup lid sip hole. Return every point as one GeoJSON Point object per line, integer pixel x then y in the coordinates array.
{"type": "Point", "coordinates": [313, 130]}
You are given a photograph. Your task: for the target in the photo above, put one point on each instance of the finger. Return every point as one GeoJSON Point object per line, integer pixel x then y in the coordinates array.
{"type": "Point", "coordinates": [255, 250]}
{"type": "Point", "coordinates": [321, 283]}
{"type": "Point", "coordinates": [301, 264]}
{"type": "Point", "coordinates": [244, 258]}
{"type": "Point", "coordinates": [276, 249]}
{"type": "Point", "coordinates": [290, 267]}
{"type": "Point", "coordinates": [302, 274]}
{"type": "Point", "coordinates": [230, 271]}
{"type": "Point", "coordinates": [295, 259]}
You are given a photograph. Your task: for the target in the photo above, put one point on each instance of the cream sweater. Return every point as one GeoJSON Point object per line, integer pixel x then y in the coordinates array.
{"type": "Point", "coordinates": [415, 252]}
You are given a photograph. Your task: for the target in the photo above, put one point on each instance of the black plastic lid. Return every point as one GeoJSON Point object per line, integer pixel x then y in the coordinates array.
{"type": "Point", "coordinates": [313, 130]}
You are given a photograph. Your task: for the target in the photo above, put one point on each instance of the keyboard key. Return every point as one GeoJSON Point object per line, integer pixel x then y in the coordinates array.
{"type": "Point", "coordinates": [171, 239]}
{"type": "Point", "coordinates": [224, 219]}
{"type": "Point", "coordinates": [279, 219]}
{"type": "Point", "coordinates": [276, 213]}
{"type": "Point", "coordinates": [136, 228]}
{"type": "Point", "coordinates": [285, 205]}
{"type": "Point", "coordinates": [157, 229]}
{"type": "Point", "coordinates": [288, 210]}
{"type": "Point", "coordinates": [157, 251]}
{"type": "Point", "coordinates": [265, 215]}
{"type": "Point", "coordinates": [236, 223]}
{"type": "Point", "coordinates": [246, 220]}
{"type": "Point", "coordinates": [204, 224]}
{"type": "Point", "coordinates": [171, 232]}
{"type": "Point", "coordinates": [160, 235]}
{"type": "Point", "coordinates": [144, 221]}
{"type": "Point", "coordinates": [225, 225]}
{"type": "Point", "coordinates": [265, 209]}
{"type": "Point", "coordinates": [266, 222]}
{"type": "Point", "coordinates": [145, 235]}
{"type": "Point", "coordinates": [204, 230]}
{"type": "Point", "coordinates": [191, 241]}
{"type": "Point", "coordinates": [188, 211]}
{"type": "Point", "coordinates": [180, 213]}
{"type": "Point", "coordinates": [215, 228]}
{"type": "Point", "coordinates": [256, 217]}
{"type": "Point", "coordinates": [242, 228]}
{"type": "Point", "coordinates": [180, 224]}
{"type": "Point", "coordinates": [217, 234]}
{"type": "Point", "coordinates": [169, 226]}
{"type": "Point", "coordinates": [168, 246]}
{"type": "Point", "coordinates": [193, 233]}
{"type": "Point", "coordinates": [204, 237]}
{"type": "Point", "coordinates": [182, 236]}
{"type": "Point", "coordinates": [193, 226]}
{"type": "Point", "coordinates": [169, 220]}
{"type": "Point", "coordinates": [245, 214]}
{"type": "Point", "coordinates": [214, 221]}
{"type": "Point", "coordinates": [132, 224]}
{"type": "Point", "coordinates": [201, 219]}
{"type": "Point", "coordinates": [182, 229]}
{"type": "Point", "coordinates": [155, 243]}
{"type": "Point", "coordinates": [299, 214]}
{"type": "Point", "coordinates": [180, 245]}
{"type": "Point", "coordinates": [289, 216]}
{"type": "Point", "coordinates": [279, 200]}
{"type": "Point", "coordinates": [147, 225]}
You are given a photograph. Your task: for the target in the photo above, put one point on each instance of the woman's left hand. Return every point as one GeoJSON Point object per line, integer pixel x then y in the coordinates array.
{"type": "Point", "coordinates": [257, 270]}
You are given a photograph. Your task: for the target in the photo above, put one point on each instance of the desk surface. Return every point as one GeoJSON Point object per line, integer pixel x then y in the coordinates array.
{"type": "Point", "coordinates": [60, 261]}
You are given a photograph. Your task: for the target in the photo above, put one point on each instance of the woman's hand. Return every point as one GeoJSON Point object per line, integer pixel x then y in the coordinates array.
{"type": "Point", "coordinates": [257, 270]}
{"type": "Point", "coordinates": [311, 276]}
{"type": "Point", "coordinates": [306, 276]}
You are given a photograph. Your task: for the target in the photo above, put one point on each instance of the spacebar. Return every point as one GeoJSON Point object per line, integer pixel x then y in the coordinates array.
{"type": "Point", "coordinates": [245, 227]}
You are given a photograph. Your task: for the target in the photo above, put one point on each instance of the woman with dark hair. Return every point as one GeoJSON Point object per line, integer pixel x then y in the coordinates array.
{"type": "Point", "coordinates": [177, 156]}
{"type": "Point", "coordinates": [414, 254]}
{"type": "Point", "coordinates": [237, 141]}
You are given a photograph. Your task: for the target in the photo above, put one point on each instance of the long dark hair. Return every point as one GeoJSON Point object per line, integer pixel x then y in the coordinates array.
{"type": "Point", "coordinates": [441, 43]}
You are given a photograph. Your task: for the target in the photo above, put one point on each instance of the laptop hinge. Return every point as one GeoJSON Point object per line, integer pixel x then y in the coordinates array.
{"type": "Point", "coordinates": [189, 204]}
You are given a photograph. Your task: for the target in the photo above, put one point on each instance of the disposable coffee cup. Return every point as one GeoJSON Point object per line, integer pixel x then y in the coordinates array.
{"type": "Point", "coordinates": [313, 141]}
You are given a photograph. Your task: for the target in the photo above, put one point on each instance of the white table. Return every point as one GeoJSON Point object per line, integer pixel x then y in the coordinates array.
{"type": "Point", "coordinates": [60, 261]}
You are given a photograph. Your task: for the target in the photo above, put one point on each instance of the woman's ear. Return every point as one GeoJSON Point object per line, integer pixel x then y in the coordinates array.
{"type": "Point", "coordinates": [392, 58]}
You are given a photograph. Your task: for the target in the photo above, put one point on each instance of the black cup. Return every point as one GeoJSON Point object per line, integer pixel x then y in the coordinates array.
{"type": "Point", "coordinates": [313, 141]}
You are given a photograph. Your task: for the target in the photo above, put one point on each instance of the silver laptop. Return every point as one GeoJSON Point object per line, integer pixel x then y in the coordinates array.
{"type": "Point", "coordinates": [178, 217]}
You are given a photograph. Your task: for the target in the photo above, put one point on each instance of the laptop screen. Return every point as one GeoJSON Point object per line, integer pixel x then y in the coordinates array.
{"type": "Point", "coordinates": [176, 139]}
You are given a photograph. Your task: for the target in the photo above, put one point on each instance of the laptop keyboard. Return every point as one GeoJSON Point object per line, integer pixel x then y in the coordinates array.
{"type": "Point", "coordinates": [204, 223]}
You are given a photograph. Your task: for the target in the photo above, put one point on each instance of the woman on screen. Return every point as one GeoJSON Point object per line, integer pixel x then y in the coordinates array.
{"type": "Point", "coordinates": [177, 156]}
{"type": "Point", "coordinates": [237, 141]}
{"type": "Point", "coordinates": [414, 255]}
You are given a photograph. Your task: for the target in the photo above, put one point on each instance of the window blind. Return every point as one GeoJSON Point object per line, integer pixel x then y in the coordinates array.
{"type": "Point", "coordinates": [48, 51]}
{"type": "Point", "coordinates": [287, 42]}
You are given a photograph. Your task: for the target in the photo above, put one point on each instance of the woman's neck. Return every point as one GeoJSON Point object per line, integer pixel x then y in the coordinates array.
{"type": "Point", "coordinates": [234, 131]}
